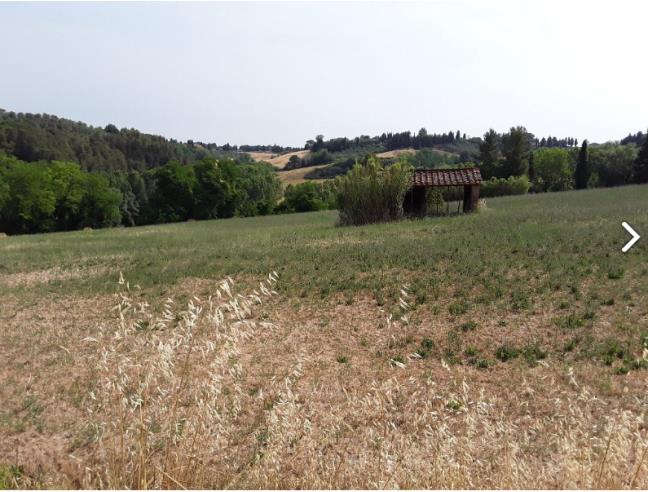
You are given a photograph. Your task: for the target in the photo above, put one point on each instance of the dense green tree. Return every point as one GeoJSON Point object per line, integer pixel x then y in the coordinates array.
{"type": "Point", "coordinates": [41, 197]}
{"type": "Point", "coordinates": [294, 163]}
{"type": "Point", "coordinates": [69, 185]}
{"type": "Point", "coordinates": [582, 174]}
{"type": "Point", "coordinates": [553, 170]}
{"type": "Point", "coordinates": [612, 164]}
{"type": "Point", "coordinates": [234, 197]}
{"type": "Point", "coordinates": [637, 139]}
{"type": "Point", "coordinates": [317, 144]}
{"type": "Point", "coordinates": [211, 191]}
{"type": "Point", "coordinates": [430, 159]}
{"type": "Point", "coordinates": [207, 189]}
{"type": "Point", "coordinates": [515, 148]}
{"type": "Point", "coordinates": [173, 198]}
{"type": "Point", "coordinates": [130, 206]}
{"type": "Point", "coordinates": [489, 155]}
{"type": "Point", "coordinates": [100, 203]}
{"type": "Point", "coordinates": [32, 199]}
{"type": "Point", "coordinates": [261, 187]}
{"type": "Point", "coordinates": [142, 186]}
{"type": "Point", "coordinates": [304, 197]}
{"type": "Point", "coordinates": [317, 158]}
{"type": "Point", "coordinates": [641, 164]}
{"type": "Point", "coordinates": [308, 197]}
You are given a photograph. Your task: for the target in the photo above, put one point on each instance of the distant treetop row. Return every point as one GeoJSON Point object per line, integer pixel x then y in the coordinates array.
{"type": "Point", "coordinates": [36, 137]}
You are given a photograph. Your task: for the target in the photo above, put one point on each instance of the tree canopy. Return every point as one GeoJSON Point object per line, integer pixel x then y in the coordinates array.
{"type": "Point", "coordinates": [36, 137]}
{"type": "Point", "coordinates": [59, 196]}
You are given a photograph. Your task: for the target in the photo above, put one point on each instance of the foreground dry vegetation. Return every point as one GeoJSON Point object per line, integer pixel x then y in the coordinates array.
{"type": "Point", "coordinates": [243, 382]}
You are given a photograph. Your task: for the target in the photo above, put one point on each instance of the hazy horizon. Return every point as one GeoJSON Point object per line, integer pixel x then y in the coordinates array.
{"type": "Point", "coordinates": [265, 73]}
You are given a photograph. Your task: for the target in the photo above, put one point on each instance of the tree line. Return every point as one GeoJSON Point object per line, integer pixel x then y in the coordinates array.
{"type": "Point", "coordinates": [43, 137]}
{"type": "Point", "coordinates": [420, 140]}
{"type": "Point", "coordinates": [60, 196]}
{"type": "Point", "coordinates": [634, 138]}
{"type": "Point", "coordinates": [556, 168]}
{"type": "Point", "coordinates": [56, 174]}
{"type": "Point", "coordinates": [389, 141]}
{"type": "Point", "coordinates": [555, 142]}
{"type": "Point", "coordinates": [275, 149]}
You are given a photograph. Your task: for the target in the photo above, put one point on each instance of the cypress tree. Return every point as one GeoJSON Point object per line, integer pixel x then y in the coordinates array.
{"type": "Point", "coordinates": [582, 173]}
{"type": "Point", "coordinates": [641, 164]}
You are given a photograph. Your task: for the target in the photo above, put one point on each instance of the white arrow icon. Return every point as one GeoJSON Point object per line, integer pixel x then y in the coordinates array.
{"type": "Point", "coordinates": [633, 233]}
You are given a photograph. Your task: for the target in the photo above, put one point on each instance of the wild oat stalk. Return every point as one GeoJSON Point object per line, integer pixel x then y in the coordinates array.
{"type": "Point", "coordinates": [159, 401]}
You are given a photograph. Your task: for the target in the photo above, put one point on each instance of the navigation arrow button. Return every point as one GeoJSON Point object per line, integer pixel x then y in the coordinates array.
{"type": "Point", "coordinates": [633, 233]}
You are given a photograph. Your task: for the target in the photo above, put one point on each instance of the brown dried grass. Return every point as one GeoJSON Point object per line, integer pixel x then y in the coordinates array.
{"type": "Point", "coordinates": [277, 160]}
{"type": "Point", "coordinates": [212, 394]}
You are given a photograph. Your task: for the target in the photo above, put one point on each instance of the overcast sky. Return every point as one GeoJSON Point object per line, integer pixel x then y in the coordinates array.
{"type": "Point", "coordinates": [284, 72]}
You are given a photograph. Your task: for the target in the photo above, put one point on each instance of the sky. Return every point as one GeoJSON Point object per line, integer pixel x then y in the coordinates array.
{"type": "Point", "coordinates": [281, 73]}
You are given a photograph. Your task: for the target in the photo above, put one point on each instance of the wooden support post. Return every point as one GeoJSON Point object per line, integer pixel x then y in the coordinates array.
{"type": "Point", "coordinates": [474, 197]}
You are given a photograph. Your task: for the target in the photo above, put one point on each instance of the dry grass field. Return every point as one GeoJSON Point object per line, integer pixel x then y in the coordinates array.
{"type": "Point", "coordinates": [277, 160]}
{"type": "Point", "coordinates": [296, 176]}
{"type": "Point", "coordinates": [395, 153]}
{"type": "Point", "coordinates": [398, 152]}
{"type": "Point", "coordinates": [504, 349]}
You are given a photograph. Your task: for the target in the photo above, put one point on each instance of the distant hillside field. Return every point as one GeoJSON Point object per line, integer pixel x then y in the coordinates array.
{"type": "Point", "coordinates": [277, 160]}
{"type": "Point", "coordinates": [395, 153]}
{"type": "Point", "coordinates": [296, 176]}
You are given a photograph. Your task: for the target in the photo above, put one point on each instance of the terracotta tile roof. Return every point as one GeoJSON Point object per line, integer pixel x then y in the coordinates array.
{"type": "Point", "coordinates": [446, 177]}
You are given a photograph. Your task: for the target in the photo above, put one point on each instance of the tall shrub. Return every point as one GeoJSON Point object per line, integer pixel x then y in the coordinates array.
{"type": "Point", "coordinates": [308, 197]}
{"type": "Point", "coordinates": [371, 193]}
{"type": "Point", "coordinates": [513, 185]}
